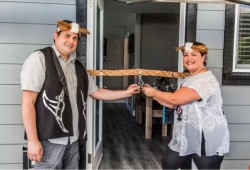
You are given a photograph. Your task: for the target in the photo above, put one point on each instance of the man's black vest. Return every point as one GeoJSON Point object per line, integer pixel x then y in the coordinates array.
{"type": "Point", "coordinates": [53, 109]}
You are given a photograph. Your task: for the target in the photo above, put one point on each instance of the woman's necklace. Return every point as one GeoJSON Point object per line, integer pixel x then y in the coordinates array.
{"type": "Point", "coordinates": [197, 72]}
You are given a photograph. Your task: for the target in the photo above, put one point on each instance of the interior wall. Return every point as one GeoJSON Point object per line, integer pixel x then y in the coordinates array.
{"type": "Point", "coordinates": [116, 26]}
{"type": "Point", "coordinates": [120, 19]}
{"type": "Point", "coordinates": [159, 37]}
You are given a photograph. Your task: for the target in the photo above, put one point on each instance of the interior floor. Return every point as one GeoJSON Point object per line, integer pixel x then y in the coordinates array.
{"type": "Point", "coordinates": [124, 143]}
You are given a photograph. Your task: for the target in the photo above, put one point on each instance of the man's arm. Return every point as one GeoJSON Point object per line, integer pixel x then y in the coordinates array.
{"type": "Point", "coordinates": [35, 149]}
{"type": "Point", "coordinates": [105, 94]}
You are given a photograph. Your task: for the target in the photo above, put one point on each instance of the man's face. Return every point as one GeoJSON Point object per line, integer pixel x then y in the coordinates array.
{"type": "Point", "coordinates": [66, 43]}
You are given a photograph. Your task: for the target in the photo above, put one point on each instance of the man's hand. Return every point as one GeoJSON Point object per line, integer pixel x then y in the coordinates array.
{"type": "Point", "coordinates": [35, 151]}
{"type": "Point", "coordinates": [133, 89]}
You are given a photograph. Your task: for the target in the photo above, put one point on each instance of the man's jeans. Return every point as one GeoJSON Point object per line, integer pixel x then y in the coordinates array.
{"type": "Point", "coordinates": [56, 156]}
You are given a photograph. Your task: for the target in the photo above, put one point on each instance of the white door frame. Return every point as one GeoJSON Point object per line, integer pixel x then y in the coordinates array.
{"type": "Point", "coordinates": [94, 148]}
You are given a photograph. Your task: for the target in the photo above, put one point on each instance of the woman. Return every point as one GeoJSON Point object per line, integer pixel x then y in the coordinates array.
{"type": "Point", "coordinates": [200, 127]}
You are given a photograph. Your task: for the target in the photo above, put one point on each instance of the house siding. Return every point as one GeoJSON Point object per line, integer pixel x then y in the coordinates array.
{"type": "Point", "coordinates": [25, 26]}
{"type": "Point", "coordinates": [210, 30]}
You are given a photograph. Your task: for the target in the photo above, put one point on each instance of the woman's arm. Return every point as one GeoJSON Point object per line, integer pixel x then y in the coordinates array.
{"type": "Point", "coordinates": [181, 96]}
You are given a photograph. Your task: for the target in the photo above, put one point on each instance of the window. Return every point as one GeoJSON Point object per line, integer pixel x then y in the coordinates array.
{"type": "Point", "coordinates": [242, 39]}
{"type": "Point", "coordinates": [236, 60]}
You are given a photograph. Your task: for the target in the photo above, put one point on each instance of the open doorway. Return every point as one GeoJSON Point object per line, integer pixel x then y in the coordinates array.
{"type": "Point", "coordinates": [151, 31]}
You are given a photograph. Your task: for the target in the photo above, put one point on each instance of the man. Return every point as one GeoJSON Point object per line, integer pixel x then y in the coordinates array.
{"type": "Point", "coordinates": [55, 86]}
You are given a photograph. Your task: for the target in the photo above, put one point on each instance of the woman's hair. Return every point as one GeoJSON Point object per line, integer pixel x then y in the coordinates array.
{"type": "Point", "coordinates": [198, 46]}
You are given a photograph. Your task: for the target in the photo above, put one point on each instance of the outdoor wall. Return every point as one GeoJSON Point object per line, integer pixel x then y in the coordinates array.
{"type": "Point", "coordinates": [25, 25]}
{"type": "Point", "coordinates": [210, 30]}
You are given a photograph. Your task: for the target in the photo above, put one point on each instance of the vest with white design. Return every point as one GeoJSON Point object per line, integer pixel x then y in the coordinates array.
{"type": "Point", "coordinates": [53, 109]}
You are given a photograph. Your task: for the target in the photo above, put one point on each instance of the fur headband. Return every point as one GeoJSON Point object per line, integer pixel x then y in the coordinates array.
{"type": "Point", "coordinates": [73, 27]}
{"type": "Point", "coordinates": [189, 46]}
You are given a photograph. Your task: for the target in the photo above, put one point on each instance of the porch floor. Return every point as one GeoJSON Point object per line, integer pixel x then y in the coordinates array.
{"type": "Point", "coordinates": [124, 144]}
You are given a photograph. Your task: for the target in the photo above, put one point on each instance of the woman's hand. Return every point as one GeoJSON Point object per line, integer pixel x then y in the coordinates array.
{"type": "Point", "coordinates": [148, 90]}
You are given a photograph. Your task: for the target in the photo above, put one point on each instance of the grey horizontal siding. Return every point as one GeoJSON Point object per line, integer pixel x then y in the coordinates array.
{"type": "Point", "coordinates": [211, 7]}
{"type": "Point", "coordinates": [237, 114]}
{"type": "Point", "coordinates": [214, 39]}
{"type": "Point", "coordinates": [217, 73]}
{"type": "Point", "coordinates": [211, 22]}
{"type": "Point", "coordinates": [14, 134]}
{"type": "Point", "coordinates": [10, 94]}
{"type": "Point", "coordinates": [10, 114]}
{"type": "Point", "coordinates": [236, 99]}
{"type": "Point", "coordinates": [239, 151]}
{"type": "Point", "coordinates": [17, 53]}
{"type": "Point", "coordinates": [239, 132]}
{"type": "Point", "coordinates": [14, 12]}
{"type": "Point", "coordinates": [236, 95]}
{"type": "Point", "coordinates": [10, 73]}
{"type": "Point", "coordinates": [215, 58]}
{"type": "Point", "coordinates": [25, 26]}
{"type": "Point", "coordinates": [11, 166]}
{"type": "Point", "coordinates": [26, 33]}
{"type": "Point", "coordinates": [44, 1]}
{"type": "Point", "coordinates": [235, 164]}
{"type": "Point", "coordinates": [11, 154]}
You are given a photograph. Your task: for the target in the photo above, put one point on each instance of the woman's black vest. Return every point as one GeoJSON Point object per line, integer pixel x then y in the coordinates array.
{"type": "Point", "coordinates": [53, 109]}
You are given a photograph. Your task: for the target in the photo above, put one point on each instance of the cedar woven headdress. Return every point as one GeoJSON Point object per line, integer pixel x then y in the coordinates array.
{"type": "Point", "coordinates": [73, 27]}
{"type": "Point", "coordinates": [202, 48]}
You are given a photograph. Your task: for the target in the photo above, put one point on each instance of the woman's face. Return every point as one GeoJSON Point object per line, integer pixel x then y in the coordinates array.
{"type": "Point", "coordinates": [193, 61]}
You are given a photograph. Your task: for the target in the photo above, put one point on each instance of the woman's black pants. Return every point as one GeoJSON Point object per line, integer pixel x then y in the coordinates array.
{"type": "Point", "coordinates": [172, 160]}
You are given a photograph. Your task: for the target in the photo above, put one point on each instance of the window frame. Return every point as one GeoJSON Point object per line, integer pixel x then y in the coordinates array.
{"type": "Point", "coordinates": [230, 77]}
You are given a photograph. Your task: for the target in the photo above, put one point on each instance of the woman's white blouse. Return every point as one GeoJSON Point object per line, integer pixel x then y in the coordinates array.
{"type": "Point", "coordinates": [205, 115]}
